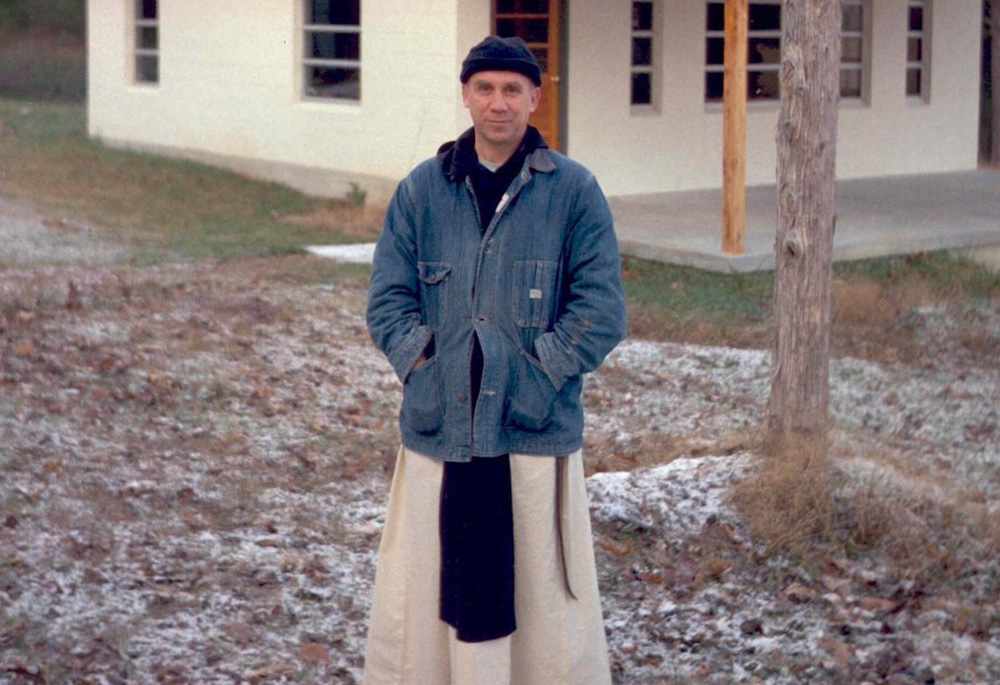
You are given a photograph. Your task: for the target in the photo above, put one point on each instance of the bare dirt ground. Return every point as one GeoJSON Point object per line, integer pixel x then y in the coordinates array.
{"type": "Point", "coordinates": [195, 459]}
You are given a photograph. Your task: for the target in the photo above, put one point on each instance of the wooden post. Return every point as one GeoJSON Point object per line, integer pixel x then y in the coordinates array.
{"type": "Point", "coordinates": [806, 140]}
{"type": "Point", "coordinates": [734, 123]}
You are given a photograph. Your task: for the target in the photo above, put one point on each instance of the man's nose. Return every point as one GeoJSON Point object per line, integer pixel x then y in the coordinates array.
{"type": "Point", "coordinates": [497, 102]}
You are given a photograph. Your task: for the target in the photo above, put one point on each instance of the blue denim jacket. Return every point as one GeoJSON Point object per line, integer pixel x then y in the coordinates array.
{"type": "Point", "coordinates": [541, 288]}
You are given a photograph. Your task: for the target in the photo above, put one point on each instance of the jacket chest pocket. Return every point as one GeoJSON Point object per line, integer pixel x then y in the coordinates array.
{"type": "Point", "coordinates": [433, 291]}
{"type": "Point", "coordinates": [534, 293]}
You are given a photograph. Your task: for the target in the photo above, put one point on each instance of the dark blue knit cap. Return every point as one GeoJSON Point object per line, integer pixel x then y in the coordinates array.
{"type": "Point", "coordinates": [502, 54]}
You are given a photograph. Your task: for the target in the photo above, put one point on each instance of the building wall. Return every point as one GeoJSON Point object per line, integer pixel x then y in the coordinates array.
{"type": "Point", "coordinates": [230, 83]}
{"type": "Point", "coordinates": [678, 146]}
{"type": "Point", "coordinates": [229, 93]}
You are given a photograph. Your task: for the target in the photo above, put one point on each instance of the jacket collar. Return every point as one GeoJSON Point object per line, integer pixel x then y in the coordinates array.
{"type": "Point", "coordinates": [457, 157]}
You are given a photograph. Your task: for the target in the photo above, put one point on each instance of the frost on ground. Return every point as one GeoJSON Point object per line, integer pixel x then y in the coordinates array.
{"type": "Point", "coordinates": [195, 461]}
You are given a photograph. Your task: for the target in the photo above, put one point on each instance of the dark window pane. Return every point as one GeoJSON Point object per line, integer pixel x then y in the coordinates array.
{"type": "Point", "coordinates": [535, 31]}
{"type": "Point", "coordinates": [642, 90]}
{"type": "Point", "coordinates": [764, 51]}
{"type": "Point", "coordinates": [716, 17]}
{"type": "Point", "coordinates": [526, 6]}
{"type": "Point", "coordinates": [853, 18]}
{"type": "Point", "coordinates": [913, 77]}
{"type": "Point", "coordinates": [146, 38]}
{"type": "Point", "coordinates": [763, 85]}
{"type": "Point", "coordinates": [713, 86]}
{"type": "Point", "coordinates": [542, 55]}
{"type": "Point", "coordinates": [339, 12]}
{"type": "Point", "coordinates": [145, 9]}
{"type": "Point", "coordinates": [916, 18]}
{"type": "Point", "coordinates": [642, 52]}
{"type": "Point", "coordinates": [147, 69]}
{"type": "Point", "coordinates": [531, 30]}
{"type": "Point", "coordinates": [850, 50]}
{"type": "Point", "coordinates": [914, 50]}
{"type": "Point", "coordinates": [324, 82]}
{"type": "Point", "coordinates": [850, 83]}
{"type": "Point", "coordinates": [642, 16]}
{"type": "Point", "coordinates": [715, 50]}
{"type": "Point", "coordinates": [765, 17]}
{"type": "Point", "coordinates": [334, 45]}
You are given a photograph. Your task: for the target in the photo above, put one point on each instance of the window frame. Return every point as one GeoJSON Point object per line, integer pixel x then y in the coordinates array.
{"type": "Point", "coordinates": [751, 67]}
{"type": "Point", "coordinates": [139, 23]}
{"type": "Point", "coordinates": [864, 64]}
{"type": "Point", "coordinates": [306, 63]}
{"type": "Point", "coordinates": [653, 68]}
{"type": "Point", "coordinates": [923, 65]}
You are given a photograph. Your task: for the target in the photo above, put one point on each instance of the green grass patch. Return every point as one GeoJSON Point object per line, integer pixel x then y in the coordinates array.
{"type": "Point", "coordinates": [164, 208]}
{"type": "Point", "coordinates": [684, 291]}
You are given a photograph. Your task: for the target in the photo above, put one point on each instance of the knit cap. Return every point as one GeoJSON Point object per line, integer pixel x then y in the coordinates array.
{"type": "Point", "coordinates": [502, 54]}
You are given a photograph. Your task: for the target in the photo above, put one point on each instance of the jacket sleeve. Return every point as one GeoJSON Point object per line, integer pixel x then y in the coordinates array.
{"type": "Point", "coordinates": [593, 320]}
{"type": "Point", "coordinates": [393, 315]}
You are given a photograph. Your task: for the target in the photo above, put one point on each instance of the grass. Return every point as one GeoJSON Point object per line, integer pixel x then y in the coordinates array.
{"type": "Point", "coordinates": [47, 67]}
{"type": "Point", "coordinates": [169, 209]}
{"type": "Point", "coordinates": [872, 297]}
{"type": "Point", "coordinates": [165, 209]}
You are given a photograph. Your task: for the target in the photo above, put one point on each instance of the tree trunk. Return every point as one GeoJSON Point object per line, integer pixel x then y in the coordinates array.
{"type": "Point", "coordinates": [806, 141]}
{"type": "Point", "coordinates": [995, 80]}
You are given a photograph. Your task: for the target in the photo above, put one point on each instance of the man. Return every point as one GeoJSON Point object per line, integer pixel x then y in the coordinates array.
{"type": "Point", "coordinates": [496, 286]}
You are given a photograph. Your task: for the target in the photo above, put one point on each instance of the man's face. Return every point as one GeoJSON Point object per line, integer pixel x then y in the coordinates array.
{"type": "Point", "coordinates": [500, 103]}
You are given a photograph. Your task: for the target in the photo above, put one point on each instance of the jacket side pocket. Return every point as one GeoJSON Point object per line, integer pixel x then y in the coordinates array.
{"type": "Point", "coordinates": [532, 403]}
{"type": "Point", "coordinates": [421, 410]}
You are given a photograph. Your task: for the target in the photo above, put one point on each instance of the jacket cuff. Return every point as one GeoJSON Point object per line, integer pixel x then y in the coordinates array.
{"type": "Point", "coordinates": [553, 359]}
{"type": "Point", "coordinates": [405, 355]}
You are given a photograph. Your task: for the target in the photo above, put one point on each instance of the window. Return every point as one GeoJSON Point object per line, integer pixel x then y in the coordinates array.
{"type": "Point", "coordinates": [332, 49]}
{"type": "Point", "coordinates": [852, 49]}
{"type": "Point", "coordinates": [642, 53]}
{"type": "Point", "coordinates": [763, 50]}
{"type": "Point", "coordinates": [916, 48]}
{"type": "Point", "coordinates": [147, 42]}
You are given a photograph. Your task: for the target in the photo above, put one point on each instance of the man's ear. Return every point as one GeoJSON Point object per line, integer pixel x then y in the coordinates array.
{"type": "Point", "coordinates": [465, 95]}
{"type": "Point", "coordinates": [536, 97]}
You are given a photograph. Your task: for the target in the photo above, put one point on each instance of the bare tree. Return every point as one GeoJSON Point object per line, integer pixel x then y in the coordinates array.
{"type": "Point", "coordinates": [807, 141]}
{"type": "Point", "coordinates": [995, 80]}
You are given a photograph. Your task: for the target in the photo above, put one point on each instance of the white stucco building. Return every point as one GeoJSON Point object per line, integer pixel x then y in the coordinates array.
{"type": "Point", "coordinates": [323, 93]}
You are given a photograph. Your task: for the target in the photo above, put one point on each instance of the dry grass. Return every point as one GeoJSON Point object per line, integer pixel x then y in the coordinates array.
{"type": "Point", "coordinates": [865, 301]}
{"type": "Point", "coordinates": [355, 221]}
{"type": "Point", "coordinates": [939, 540]}
{"type": "Point", "coordinates": [654, 449]}
{"type": "Point", "coordinates": [788, 501]}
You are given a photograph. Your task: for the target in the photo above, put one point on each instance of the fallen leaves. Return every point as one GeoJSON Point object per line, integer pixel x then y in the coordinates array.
{"type": "Point", "coordinates": [24, 349]}
{"type": "Point", "coordinates": [798, 593]}
{"type": "Point", "coordinates": [315, 653]}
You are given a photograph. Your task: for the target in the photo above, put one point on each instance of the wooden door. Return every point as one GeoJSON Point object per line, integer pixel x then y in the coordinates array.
{"type": "Point", "coordinates": [537, 23]}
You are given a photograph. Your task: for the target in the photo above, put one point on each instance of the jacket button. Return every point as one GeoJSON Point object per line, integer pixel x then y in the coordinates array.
{"type": "Point", "coordinates": [462, 398]}
{"type": "Point", "coordinates": [481, 319]}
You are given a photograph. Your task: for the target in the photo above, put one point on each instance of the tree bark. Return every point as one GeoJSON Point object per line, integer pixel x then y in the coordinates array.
{"type": "Point", "coordinates": [995, 80]}
{"type": "Point", "coordinates": [806, 142]}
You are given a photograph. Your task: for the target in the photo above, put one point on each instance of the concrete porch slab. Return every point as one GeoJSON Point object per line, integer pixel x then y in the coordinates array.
{"type": "Point", "coordinates": [876, 217]}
